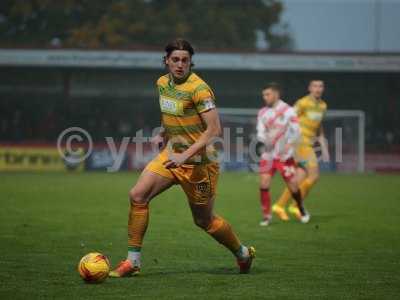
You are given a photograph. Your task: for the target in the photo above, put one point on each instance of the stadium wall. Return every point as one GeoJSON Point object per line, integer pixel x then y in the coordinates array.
{"type": "Point", "coordinates": [45, 157]}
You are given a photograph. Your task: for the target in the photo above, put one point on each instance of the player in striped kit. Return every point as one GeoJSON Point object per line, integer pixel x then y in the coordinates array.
{"type": "Point", "coordinates": [190, 122]}
{"type": "Point", "coordinates": [278, 129]}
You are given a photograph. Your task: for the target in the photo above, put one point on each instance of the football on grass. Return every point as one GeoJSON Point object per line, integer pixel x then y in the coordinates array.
{"type": "Point", "coordinates": [94, 267]}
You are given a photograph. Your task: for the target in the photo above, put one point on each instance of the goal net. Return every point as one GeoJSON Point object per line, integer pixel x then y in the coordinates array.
{"type": "Point", "coordinates": [344, 131]}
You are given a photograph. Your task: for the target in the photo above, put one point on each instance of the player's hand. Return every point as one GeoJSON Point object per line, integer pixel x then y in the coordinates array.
{"type": "Point", "coordinates": [158, 140]}
{"type": "Point", "coordinates": [175, 160]}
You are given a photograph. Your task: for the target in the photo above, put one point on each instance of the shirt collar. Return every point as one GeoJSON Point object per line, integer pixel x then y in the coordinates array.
{"type": "Point", "coordinates": [172, 83]}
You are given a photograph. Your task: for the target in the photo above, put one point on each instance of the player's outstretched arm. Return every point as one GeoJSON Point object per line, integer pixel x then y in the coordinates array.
{"type": "Point", "coordinates": [211, 119]}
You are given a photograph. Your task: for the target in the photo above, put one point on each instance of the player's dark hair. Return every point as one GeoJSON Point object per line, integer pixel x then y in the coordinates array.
{"type": "Point", "coordinates": [178, 44]}
{"type": "Point", "coordinates": [273, 86]}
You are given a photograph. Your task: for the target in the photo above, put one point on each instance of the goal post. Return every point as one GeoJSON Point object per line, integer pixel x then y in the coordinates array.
{"type": "Point", "coordinates": [344, 130]}
{"type": "Point", "coordinates": [359, 115]}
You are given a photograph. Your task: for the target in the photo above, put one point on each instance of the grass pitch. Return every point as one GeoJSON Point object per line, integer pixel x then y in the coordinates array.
{"type": "Point", "coordinates": [350, 249]}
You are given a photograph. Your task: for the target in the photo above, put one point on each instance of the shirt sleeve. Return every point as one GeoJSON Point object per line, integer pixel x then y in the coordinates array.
{"type": "Point", "coordinates": [203, 98]}
{"type": "Point", "coordinates": [261, 130]}
{"type": "Point", "coordinates": [293, 134]}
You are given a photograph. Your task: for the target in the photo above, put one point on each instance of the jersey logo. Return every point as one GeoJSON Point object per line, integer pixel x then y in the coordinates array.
{"type": "Point", "coordinates": [171, 106]}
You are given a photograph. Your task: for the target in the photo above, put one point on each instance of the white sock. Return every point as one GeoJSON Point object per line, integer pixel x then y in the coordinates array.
{"type": "Point", "coordinates": [243, 253]}
{"type": "Point", "coordinates": [134, 257]}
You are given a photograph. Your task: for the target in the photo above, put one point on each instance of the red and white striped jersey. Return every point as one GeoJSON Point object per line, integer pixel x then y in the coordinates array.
{"type": "Point", "coordinates": [278, 129]}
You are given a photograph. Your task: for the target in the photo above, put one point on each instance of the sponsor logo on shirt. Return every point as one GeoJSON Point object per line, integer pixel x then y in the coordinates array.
{"type": "Point", "coordinates": [171, 106]}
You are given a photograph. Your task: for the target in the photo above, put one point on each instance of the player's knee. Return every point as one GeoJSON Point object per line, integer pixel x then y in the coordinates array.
{"type": "Point", "coordinates": [293, 186]}
{"type": "Point", "coordinates": [313, 177]}
{"type": "Point", "coordinates": [293, 189]}
{"type": "Point", "coordinates": [264, 182]}
{"type": "Point", "coordinates": [203, 223]}
{"type": "Point", "coordinates": [316, 177]}
{"type": "Point", "coordinates": [136, 196]}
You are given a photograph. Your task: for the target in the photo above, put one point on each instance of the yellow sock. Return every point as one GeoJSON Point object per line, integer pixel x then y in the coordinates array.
{"type": "Point", "coordinates": [222, 232]}
{"type": "Point", "coordinates": [137, 224]}
{"type": "Point", "coordinates": [305, 187]}
{"type": "Point", "coordinates": [284, 198]}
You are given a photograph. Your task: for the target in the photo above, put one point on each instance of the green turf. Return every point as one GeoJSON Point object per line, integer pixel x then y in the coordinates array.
{"type": "Point", "coordinates": [350, 249]}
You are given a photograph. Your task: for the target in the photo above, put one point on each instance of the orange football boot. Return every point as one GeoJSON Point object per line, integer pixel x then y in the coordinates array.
{"type": "Point", "coordinates": [125, 269]}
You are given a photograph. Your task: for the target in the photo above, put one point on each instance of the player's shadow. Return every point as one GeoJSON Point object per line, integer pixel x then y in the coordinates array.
{"type": "Point", "coordinates": [224, 271]}
{"type": "Point", "coordinates": [230, 271]}
{"type": "Point", "coordinates": [321, 219]}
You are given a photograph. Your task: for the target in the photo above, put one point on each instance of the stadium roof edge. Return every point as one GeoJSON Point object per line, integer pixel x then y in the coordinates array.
{"type": "Point", "coordinates": [122, 59]}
